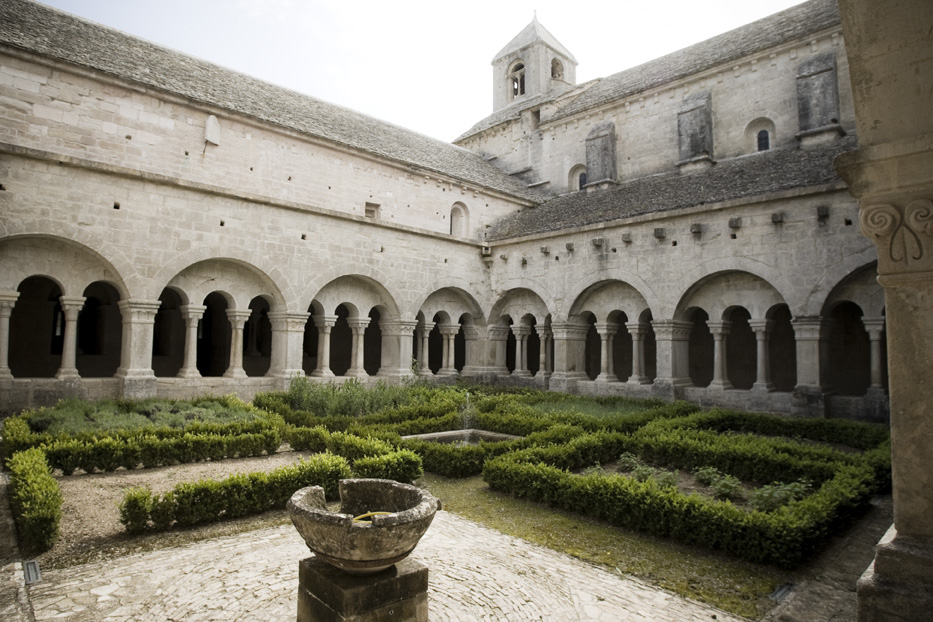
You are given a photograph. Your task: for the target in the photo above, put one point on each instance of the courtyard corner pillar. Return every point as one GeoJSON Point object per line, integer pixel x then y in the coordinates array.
{"type": "Point", "coordinates": [424, 363]}
{"type": "Point", "coordinates": [357, 347]}
{"type": "Point", "coordinates": [638, 330]}
{"type": "Point", "coordinates": [396, 347]}
{"type": "Point", "coordinates": [71, 306]}
{"type": "Point", "coordinates": [192, 315]}
{"type": "Point", "coordinates": [893, 182]}
{"type": "Point", "coordinates": [324, 323]}
{"type": "Point", "coordinates": [875, 328]}
{"type": "Point", "coordinates": [7, 301]}
{"type": "Point", "coordinates": [136, 349]}
{"type": "Point", "coordinates": [673, 342]}
{"type": "Point", "coordinates": [720, 331]}
{"type": "Point", "coordinates": [237, 322]}
{"type": "Point", "coordinates": [287, 344]}
{"type": "Point", "coordinates": [810, 334]}
{"type": "Point", "coordinates": [471, 335]}
{"type": "Point", "coordinates": [762, 329]}
{"type": "Point", "coordinates": [606, 334]}
{"type": "Point", "coordinates": [521, 333]}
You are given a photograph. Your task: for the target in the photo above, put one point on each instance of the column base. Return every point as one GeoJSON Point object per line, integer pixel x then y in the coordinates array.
{"type": "Point", "coordinates": [606, 378]}
{"type": "Point", "coordinates": [322, 373]}
{"type": "Point", "coordinates": [70, 373]}
{"type": "Point", "coordinates": [235, 373]}
{"type": "Point", "coordinates": [763, 387]}
{"type": "Point", "coordinates": [638, 380]}
{"type": "Point", "coordinates": [326, 594]}
{"type": "Point", "coordinates": [898, 586]}
{"type": "Point", "coordinates": [188, 372]}
{"type": "Point", "coordinates": [720, 385]}
{"type": "Point", "coordinates": [521, 373]}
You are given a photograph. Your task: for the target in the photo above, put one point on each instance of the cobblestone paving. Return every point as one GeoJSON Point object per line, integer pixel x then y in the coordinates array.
{"type": "Point", "coordinates": [475, 574]}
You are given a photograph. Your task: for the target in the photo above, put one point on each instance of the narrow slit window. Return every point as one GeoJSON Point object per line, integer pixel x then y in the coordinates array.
{"type": "Point", "coordinates": [764, 140]}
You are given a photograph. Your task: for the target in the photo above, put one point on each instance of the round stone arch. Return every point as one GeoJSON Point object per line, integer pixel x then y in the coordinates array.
{"type": "Point", "coordinates": [329, 280]}
{"type": "Point", "coordinates": [519, 302]}
{"type": "Point", "coordinates": [358, 291]}
{"type": "Point", "coordinates": [606, 298]}
{"type": "Point", "coordinates": [69, 264]}
{"type": "Point", "coordinates": [453, 301]}
{"type": "Point", "coordinates": [463, 287]}
{"type": "Point", "coordinates": [524, 287]}
{"type": "Point", "coordinates": [839, 275]}
{"type": "Point", "coordinates": [717, 294]}
{"type": "Point", "coordinates": [275, 283]}
{"type": "Point", "coordinates": [859, 287]}
{"type": "Point", "coordinates": [237, 281]}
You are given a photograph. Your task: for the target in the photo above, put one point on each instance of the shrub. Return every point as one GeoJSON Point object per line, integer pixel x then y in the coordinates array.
{"type": "Point", "coordinates": [135, 509]}
{"type": "Point", "coordinates": [643, 473]}
{"type": "Point", "coordinates": [706, 475]}
{"type": "Point", "coordinates": [629, 461]}
{"type": "Point", "coordinates": [666, 479]}
{"type": "Point", "coordinates": [403, 466]}
{"type": "Point", "coordinates": [727, 487]}
{"type": "Point", "coordinates": [308, 439]}
{"type": "Point", "coordinates": [354, 447]}
{"type": "Point", "coordinates": [35, 499]}
{"type": "Point", "coordinates": [770, 497]}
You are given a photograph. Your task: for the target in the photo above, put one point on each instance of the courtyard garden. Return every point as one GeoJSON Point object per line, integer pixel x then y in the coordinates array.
{"type": "Point", "coordinates": [719, 506]}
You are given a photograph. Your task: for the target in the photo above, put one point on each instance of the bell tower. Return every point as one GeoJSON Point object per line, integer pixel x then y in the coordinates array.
{"type": "Point", "coordinates": [533, 63]}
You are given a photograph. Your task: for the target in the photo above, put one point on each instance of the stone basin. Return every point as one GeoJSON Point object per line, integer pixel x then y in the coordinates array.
{"type": "Point", "coordinates": [469, 436]}
{"type": "Point", "coordinates": [402, 513]}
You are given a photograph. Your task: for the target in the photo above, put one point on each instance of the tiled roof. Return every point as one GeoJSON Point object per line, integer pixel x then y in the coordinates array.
{"type": "Point", "coordinates": [52, 33]}
{"type": "Point", "coordinates": [739, 178]}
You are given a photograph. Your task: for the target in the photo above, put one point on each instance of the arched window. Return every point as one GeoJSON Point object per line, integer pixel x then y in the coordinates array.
{"type": "Point", "coordinates": [759, 135]}
{"type": "Point", "coordinates": [459, 220]}
{"type": "Point", "coordinates": [764, 140]}
{"type": "Point", "coordinates": [577, 178]}
{"type": "Point", "coordinates": [517, 80]}
{"type": "Point", "coordinates": [557, 70]}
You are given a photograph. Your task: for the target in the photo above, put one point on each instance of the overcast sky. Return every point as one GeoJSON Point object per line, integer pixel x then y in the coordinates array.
{"type": "Point", "coordinates": [424, 65]}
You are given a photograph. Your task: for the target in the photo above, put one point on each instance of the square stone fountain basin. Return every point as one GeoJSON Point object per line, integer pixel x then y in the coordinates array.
{"type": "Point", "coordinates": [464, 437]}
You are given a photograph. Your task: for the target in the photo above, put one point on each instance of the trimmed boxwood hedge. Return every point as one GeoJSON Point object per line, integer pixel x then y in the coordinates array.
{"type": "Point", "coordinates": [783, 537]}
{"type": "Point", "coordinates": [35, 499]}
{"type": "Point", "coordinates": [193, 503]}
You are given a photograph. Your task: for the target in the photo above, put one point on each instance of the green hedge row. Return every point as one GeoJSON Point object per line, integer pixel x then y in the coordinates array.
{"type": "Point", "coordinates": [35, 499]}
{"type": "Point", "coordinates": [108, 453]}
{"type": "Point", "coordinates": [192, 503]}
{"type": "Point", "coordinates": [369, 456]}
{"type": "Point", "coordinates": [783, 537]}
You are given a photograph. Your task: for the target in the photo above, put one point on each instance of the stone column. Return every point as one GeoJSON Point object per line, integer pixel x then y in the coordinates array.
{"type": "Point", "coordinates": [809, 399]}
{"type": "Point", "coordinates": [875, 328]}
{"type": "Point", "coordinates": [720, 332]}
{"type": "Point", "coordinates": [396, 347]}
{"type": "Point", "coordinates": [638, 330]}
{"type": "Point", "coordinates": [424, 364]}
{"type": "Point", "coordinates": [357, 347]}
{"type": "Point", "coordinates": [569, 355]}
{"type": "Point", "coordinates": [544, 364]}
{"type": "Point", "coordinates": [237, 322]}
{"type": "Point", "coordinates": [7, 301]}
{"type": "Point", "coordinates": [498, 339]}
{"type": "Point", "coordinates": [192, 315]}
{"type": "Point", "coordinates": [762, 330]}
{"type": "Point", "coordinates": [673, 341]}
{"type": "Point", "coordinates": [288, 331]}
{"type": "Point", "coordinates": [448, 334]}
{"type": "Point", "coordinates": [71, 306]}
{"type": "Point", "coordinates": [606, 334]}
{"type": "Point", "coordinates": [324, 325]}
{"type": "Point", "coordinates": [138, 320]}
{"type": "Point", "coordinates": [471, 335]}
{"type": "Point", "coordinates": [521, 333]}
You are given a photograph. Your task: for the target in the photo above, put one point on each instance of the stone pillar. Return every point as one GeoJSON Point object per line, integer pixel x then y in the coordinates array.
{"type": "Point", "coordinates": [7, 301]}
{"type": "Point", "coordinates": [521, 333]}
{"type": "Point", "coordinates": [237, 322]}
{"type": "Point", "coordinates": [138, 319]}
{"type": "Point", "coordinates": [673, 340]}
{"type": "Point", "coordinates": [288, 331]}
{"type": "Point", "coordinates": [192, 315]}
{"type": "Point", "coordinates": [720, 332]}
{"type": "Point", "coordinates": [875, 328]}
{"type": "Point", "coordinates": [544, 364]}
{"type": "Point", "coordinates": [569, 353]}
{"type": "Point", "coordinates": [638, 330]}
{"type": "Point", "coordinates": [762, 330]}
{"type": "Point", "coordinates": [396, 348]}
{"type": "Point", "coordinates": [324, 325]}
{"type": "Point", "coordinates": [606, 334]}
{"type": "Point", "coordinates": [498, 340]}
{"type": "Point", "coordinates": [424, 365]}
{"type": "Point", "coordinates": [809, 399]}
{"type": "Point", "coordinates": [471, 335]}
{"type": "Point", "coordinates": [357, 347]}
{"type": "Point", "coordinates": [71, 306]}
{"type": "Point", "coordinates": [448, 334]}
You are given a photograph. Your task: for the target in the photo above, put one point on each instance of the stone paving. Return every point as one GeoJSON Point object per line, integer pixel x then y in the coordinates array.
{"type": "Point", "coordinates": [475, 574]}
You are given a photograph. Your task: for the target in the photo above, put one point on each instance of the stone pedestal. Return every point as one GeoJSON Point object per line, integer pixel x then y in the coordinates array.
{"type": "Point", "coordinates": [326, 594]}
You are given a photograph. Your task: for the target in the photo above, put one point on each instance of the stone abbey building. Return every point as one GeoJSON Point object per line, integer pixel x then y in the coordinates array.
{"type": "Point", "coordinates": [169, 227]}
